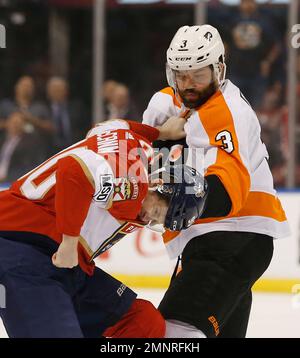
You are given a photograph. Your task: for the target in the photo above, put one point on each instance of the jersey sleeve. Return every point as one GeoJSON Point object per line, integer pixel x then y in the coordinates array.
{"type": "Point", "coordinates": [160, 108]}
{"type": "Point", "coordinates": [74, 193]}
{"type": "Point", "coordinates": [144, 130]}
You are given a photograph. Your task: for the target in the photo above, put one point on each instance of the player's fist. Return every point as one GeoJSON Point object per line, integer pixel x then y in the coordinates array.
{"type": "Point", "coordinates": [172, 129]}
{"type": "Point", "coordinates": [67, 254]}
{"type": "Point", "coordinates": [64, 261]}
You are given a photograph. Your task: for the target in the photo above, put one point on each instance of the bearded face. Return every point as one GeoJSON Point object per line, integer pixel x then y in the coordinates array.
{"type": "Point", "coordinates": [195, 87]}
{"type": "Point", "coordinates": [195, 98]}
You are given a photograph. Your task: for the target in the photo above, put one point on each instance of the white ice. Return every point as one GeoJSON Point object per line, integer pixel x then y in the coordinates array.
{"type": "Point", "coordinates": [273, 315]}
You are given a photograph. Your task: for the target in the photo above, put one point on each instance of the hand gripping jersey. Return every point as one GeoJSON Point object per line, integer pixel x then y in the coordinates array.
{"type": "Point", "coordinates": [93, 189]}
{"type": "Point", "coordinates": [228, 131]}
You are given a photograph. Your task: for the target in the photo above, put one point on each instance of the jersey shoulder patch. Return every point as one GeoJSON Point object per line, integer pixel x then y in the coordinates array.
{"type": "Point", "coordinates": [105, 188]}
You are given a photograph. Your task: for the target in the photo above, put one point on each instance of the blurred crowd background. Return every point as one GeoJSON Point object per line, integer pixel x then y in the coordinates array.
{"type": "Point", "coordinates": [47, 79]}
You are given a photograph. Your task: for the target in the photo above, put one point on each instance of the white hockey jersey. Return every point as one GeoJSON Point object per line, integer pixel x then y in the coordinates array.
{"type": "Point", "coordinates": [228, 131]}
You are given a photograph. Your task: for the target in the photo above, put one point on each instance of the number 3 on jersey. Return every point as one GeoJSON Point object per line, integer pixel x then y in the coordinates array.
{"type": "Point", "coordinates": [226, 139]}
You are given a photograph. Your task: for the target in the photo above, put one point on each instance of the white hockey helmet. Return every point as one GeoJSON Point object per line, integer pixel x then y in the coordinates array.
{"type": "Point", "coordinates": [195, 47]}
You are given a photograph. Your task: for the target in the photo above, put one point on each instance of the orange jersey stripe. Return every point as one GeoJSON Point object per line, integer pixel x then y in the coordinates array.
{"type": "Point", "coordinates": [263, 204]}
{"type": "Point", "coordinates": [170, 92]}
{"type": "Point", "coordinates": [229, 167]}
{"type": "Point", "coordinates": [257, 204]}
{"type": "Point", "coordinates": [169, 235]}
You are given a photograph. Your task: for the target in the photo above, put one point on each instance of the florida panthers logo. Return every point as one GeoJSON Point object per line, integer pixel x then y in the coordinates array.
{"type": "Point", "coordinates": [122, 189]}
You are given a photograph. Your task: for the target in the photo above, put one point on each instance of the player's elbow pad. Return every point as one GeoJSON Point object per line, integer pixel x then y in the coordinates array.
{"type": "Point", "coordinates": [218, 202]}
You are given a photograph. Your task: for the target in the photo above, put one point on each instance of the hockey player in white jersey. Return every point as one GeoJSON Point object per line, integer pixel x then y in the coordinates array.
{"type": "Point", "coordinates": [231, 245]}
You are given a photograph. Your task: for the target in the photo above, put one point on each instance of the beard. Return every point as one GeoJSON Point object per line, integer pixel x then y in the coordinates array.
{"type": "Point", "coordinates": [200, 96]}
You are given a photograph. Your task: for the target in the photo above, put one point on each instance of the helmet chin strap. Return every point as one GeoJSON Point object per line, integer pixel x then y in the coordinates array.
{"type": "Point", "coordinates": [218, 73]}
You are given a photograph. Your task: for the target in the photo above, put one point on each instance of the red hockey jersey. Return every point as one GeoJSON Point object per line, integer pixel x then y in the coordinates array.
{"type": "Point", "coordinates": [93, 189]}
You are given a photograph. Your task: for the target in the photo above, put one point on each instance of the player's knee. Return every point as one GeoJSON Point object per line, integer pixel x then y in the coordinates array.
{"type": "Point", "coordinates": [142, 320]}
{"type": "Point", "coordinates": [178, 329]}
{"type": "Point", "coordinates": [152, 318]}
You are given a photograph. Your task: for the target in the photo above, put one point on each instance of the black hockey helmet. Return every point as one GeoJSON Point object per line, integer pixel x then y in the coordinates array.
{"type": "Point", "coordinates": [186, 191]}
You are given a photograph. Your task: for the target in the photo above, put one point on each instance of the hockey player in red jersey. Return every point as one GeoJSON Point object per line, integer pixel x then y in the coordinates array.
{"type": "Point", "coordinates": [57, 218]}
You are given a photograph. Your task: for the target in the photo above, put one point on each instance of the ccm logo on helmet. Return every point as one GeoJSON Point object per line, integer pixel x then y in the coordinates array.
{"type": "Point", "coordinates": [183, 58]}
